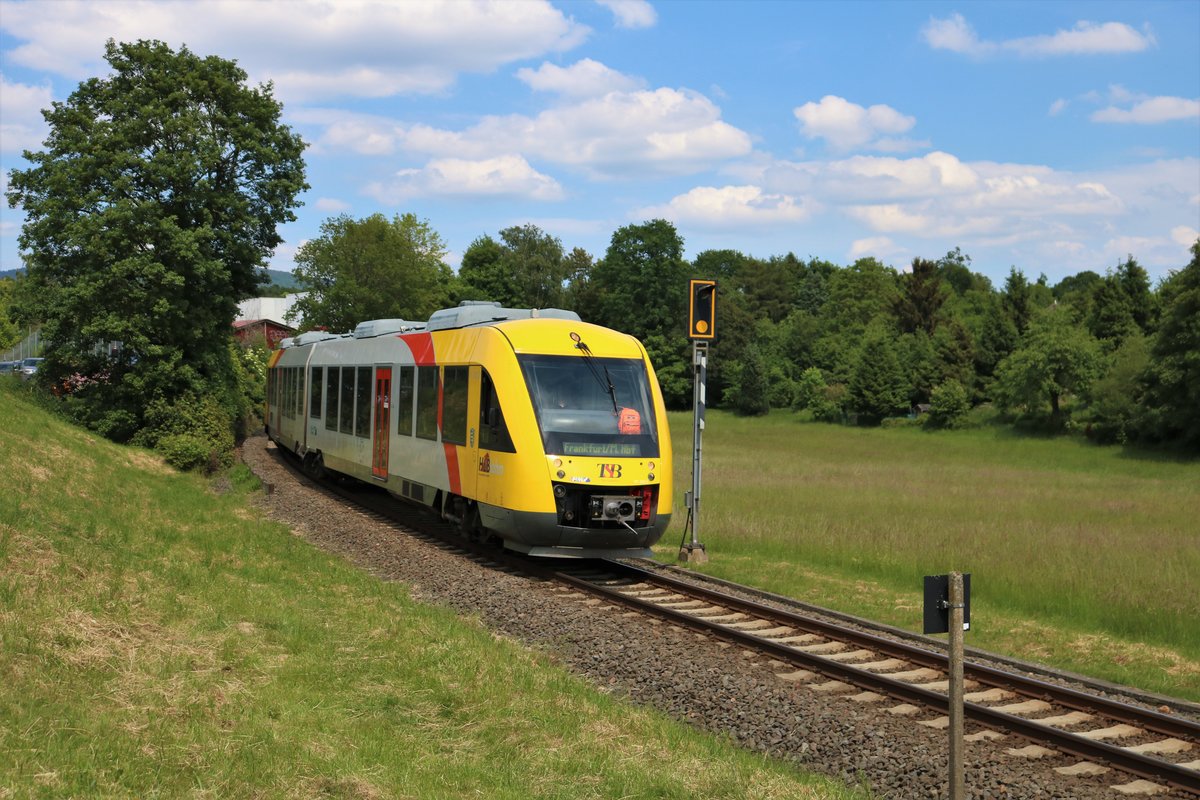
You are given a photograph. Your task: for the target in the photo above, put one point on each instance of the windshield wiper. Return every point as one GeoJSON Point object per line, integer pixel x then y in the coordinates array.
{"type": "Point", "coordinates": [605, 382]}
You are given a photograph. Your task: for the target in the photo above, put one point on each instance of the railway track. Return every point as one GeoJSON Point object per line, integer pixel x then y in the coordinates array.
{"type": "Point", "coordinates": [1106, 736]}
{"type": "Point", "coordinates": [1102, 732]}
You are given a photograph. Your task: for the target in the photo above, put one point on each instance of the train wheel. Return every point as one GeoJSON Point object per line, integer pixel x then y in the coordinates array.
{"type": "Point", "coordinates": [472, 526]}
{"type": "Point", "coordinates": [314, 465]}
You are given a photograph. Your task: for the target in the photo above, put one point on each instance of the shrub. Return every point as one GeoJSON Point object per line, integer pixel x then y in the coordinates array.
{"type": "Point", "coordinates": [192, 432]}
{"type": "Point", "coordinates": [948, 405]}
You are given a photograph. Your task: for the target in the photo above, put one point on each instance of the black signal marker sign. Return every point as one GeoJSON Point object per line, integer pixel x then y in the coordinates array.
{"type": "Point", "coordinates": [702, 309]}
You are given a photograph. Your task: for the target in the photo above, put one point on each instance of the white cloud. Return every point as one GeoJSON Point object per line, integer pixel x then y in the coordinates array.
{"type": "Point", "coordinates": [1151, 111]}
{"type": "Point", "coordinates": [732, 207]}
{"type": "Point", "coordinates": [22, 126]}
{"type": "Point", "coordinates": [665, 131]}
{"type": "Point", "coordinates": [503, 176]}
{"type": "Point", "coordinates": [331, 205]}
{"type": "Point", "coordinates": [1086, 38]}
{"type": "Point", "coordinates": [876, 246]}
{"type": "Point", "coordinates": [631, 13]}
{"type": "Point", "coordinates": [586, 78]}
{"type": "Point", "coordinates": [1184, 235]}
{"type": "Point", "coordinates": [1057, 107]}
{"type": "Point", "coordinates": [310, 48]}
{"type": "Point", "coordinates": [954, 34]}
{"type": "Point", "coordinates": [848, 126]}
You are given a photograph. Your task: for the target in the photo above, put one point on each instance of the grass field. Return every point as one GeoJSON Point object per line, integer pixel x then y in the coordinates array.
{"type": "Point", "coordinates": [161, 639]}
{"type": "Point", "coordinates": [1084, 557]}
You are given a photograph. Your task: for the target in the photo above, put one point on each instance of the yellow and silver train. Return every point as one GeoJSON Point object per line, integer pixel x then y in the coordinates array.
{"type": "Point", "coordinates": [523, 424]}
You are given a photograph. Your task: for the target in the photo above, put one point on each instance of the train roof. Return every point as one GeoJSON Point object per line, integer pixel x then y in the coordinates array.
{"type": "Point", "coordinates": [469, 313]}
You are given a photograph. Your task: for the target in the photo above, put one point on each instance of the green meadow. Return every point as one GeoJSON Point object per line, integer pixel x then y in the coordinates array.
{"type": "Point", "coordinates": [1086, 558]}
{"type": "Point", "coordinates": [160, 638]}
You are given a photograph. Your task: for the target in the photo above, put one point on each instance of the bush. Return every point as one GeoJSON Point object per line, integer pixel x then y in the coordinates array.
{"type": "Point", "coordinates": [809, 389]}
{"type": "Point", "coordinates": [185, 452]}
{"type": "Point", "coordinates": [830, 405]}
{"type": "Point", "coordinates": [948, 405]}
{"type": "Point", "coordinates": [193, 432]}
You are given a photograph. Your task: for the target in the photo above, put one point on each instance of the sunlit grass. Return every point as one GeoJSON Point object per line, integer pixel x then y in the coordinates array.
{"type": "Point", "coordinates": [162, 639]}
{"type": "Point", "coordinates": [1080, 556]}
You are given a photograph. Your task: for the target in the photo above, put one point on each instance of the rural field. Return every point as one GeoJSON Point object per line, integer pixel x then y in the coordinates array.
{"type": "Point", "coordinates": [160, 638]}
{"type": "Point", "coordinates": [1082, 557]}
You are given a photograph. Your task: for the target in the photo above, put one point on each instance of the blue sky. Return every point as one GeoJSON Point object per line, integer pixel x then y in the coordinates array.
{"type": "Point", "coordinates": [1052, 136]}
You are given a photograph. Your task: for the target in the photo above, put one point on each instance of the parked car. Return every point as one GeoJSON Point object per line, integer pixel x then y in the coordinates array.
{"type": "Point", "coordinates": [8, 367]}
{"type": "Point", "coordinates": [29, 367]}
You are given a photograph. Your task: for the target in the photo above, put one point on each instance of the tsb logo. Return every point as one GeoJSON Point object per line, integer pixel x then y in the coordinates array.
{"type": "Point", "coordinates": [610, 470]}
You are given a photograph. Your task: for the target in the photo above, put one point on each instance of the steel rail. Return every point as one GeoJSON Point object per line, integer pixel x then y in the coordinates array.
{"type": "Point", "coordinates": [1135, 763]}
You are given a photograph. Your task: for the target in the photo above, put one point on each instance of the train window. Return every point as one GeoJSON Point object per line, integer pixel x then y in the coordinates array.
{"type": "Point", "coordinates": [362, 404]}
{"type": "Point", "coordinates": [316, 384]}
{"type": "Point", "coordinates": [300, 392]}
{"type": "Point", "coordinates": [454, 404]}
{"type": "Point", "coordinates": [346, 412]}
{"type": "Point", "coordinates": [427, 402]}
{"type": "Point", "coordinates": [493, 433]}
{"type": "Point", "coordinates": [289, 389]}
{"type": "Point", "coordinates": [404, 402]}
{"type": "Point", "coordinates": [331, 398]}
{"type": "Point", "coordinates": [590, 406]}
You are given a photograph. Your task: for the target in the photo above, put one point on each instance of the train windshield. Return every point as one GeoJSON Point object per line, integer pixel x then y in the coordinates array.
{"type": "Point", "coordinates": [589, 406]}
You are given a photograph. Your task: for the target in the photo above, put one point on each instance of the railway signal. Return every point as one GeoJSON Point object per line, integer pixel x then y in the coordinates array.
{"type": "Point", "coordinates": [702, 328]}
{"type": "Point", "coordinates": [702, 310]}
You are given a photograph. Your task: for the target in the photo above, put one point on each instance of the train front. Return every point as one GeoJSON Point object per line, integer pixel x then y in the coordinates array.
{"type": "Point", "coordinates": [606, 444]}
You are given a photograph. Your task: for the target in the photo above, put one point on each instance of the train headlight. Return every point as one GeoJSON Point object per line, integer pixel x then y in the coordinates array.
{"type": "Point", "coordinates": [561, 474]}
{"type": "Point", "coordinates": [560, 491]}
{"type": "Point", "coordinates": [651, 476]}
{"type": "Point", "coordinates": [557, 463]}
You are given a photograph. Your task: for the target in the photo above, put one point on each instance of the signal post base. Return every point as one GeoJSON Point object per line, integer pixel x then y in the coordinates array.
{"type": "Point", "coordinates": [693, 554]}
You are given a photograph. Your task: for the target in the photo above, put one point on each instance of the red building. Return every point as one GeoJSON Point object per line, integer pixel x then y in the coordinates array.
{"type": "Point", "coordinates": [273, 332]}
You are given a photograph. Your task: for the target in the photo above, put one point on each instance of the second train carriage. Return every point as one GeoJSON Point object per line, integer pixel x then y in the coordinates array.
{"type": "Point", "coordinates": [529, 425]}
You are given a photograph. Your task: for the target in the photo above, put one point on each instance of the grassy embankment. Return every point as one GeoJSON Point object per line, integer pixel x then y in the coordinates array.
{"type": "Point", "coordinates": [1084, 557]}
{"type": "Point", "coordinates": [158, 638]}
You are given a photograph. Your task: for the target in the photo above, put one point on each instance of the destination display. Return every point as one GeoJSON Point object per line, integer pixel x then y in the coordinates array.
{"type": "Point", "coordinates": [623, 450]}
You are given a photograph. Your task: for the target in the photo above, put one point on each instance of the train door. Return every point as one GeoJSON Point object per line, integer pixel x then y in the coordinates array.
{"type": "Point", "coordinates": [381, 433]}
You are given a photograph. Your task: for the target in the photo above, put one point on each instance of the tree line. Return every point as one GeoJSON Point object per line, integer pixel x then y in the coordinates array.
{"type": "Point", "coordinates": [155, 202]}
{"type": "Point", "coordinates": [1110, 355]}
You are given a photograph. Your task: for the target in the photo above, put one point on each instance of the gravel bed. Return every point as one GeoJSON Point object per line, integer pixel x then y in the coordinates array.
{"type": "Point", "coordinates": [691, 677]}
{"type": "Point", "coordinates": [1081, 683]}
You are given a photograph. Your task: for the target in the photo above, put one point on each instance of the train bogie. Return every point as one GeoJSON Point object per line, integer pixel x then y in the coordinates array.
{"type": "Point", "coordinates": [544, 431]}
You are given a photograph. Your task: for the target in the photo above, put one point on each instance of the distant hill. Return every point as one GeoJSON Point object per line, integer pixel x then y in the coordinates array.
{"type": "Point", "coordinates": [278, 277]}
{"type": "Point", "coordinates": [281, 278]}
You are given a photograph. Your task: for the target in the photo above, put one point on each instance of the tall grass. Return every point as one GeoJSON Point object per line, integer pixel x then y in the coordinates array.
{"type": "Point", "coordinates": [1058, 534]}
{"type": "Point", "coordinates": [161, 639]}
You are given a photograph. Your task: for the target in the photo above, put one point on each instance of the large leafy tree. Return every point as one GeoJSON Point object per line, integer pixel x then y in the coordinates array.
{"type": "Point", "coordinates": [149, 214]}
{"type": "Point", "coordinates": [1055, 359]}
{"type": "Point", "coordinates": [641, 288]}
{"type": "Point", "coordinates": [1173, 392]}
{"type": "Point", "coordinates": [371, 268]}
{"type": "Point", "coordinates": [525, 269]}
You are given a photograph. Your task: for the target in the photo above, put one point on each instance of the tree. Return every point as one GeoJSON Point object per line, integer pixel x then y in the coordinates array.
{"type": "Point", "coordinates": [371, 268]}
{"type": "Point", "coordinates": [641, 289]}
{"type": "Point", "coordinates": [1057, 358]}
{"type": "Point", "coordinates": [919, 303]}
{"type": "Point", "coordinates": [525, 269]}
{"type": "Point", "coordinates": [878, 387]}
{"type": "Point", "coordinates": [1173, 380]}
{"type": "Point", "coordinates": [149, 215]}
{"type": "Point", "coordinates": [482, 275]}
{"type": "Point", "coordinates": [750, 393]}
{"type": "Point", "coordinates": [10, 333]}
{"type": "Point", "coordinates": [1017, 300]}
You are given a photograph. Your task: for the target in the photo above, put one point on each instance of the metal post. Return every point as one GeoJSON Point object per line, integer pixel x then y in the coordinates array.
{"type": "Point", "coordinates": [694, 551]}
{"type": "Point", "coordinates": [957, 791]}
